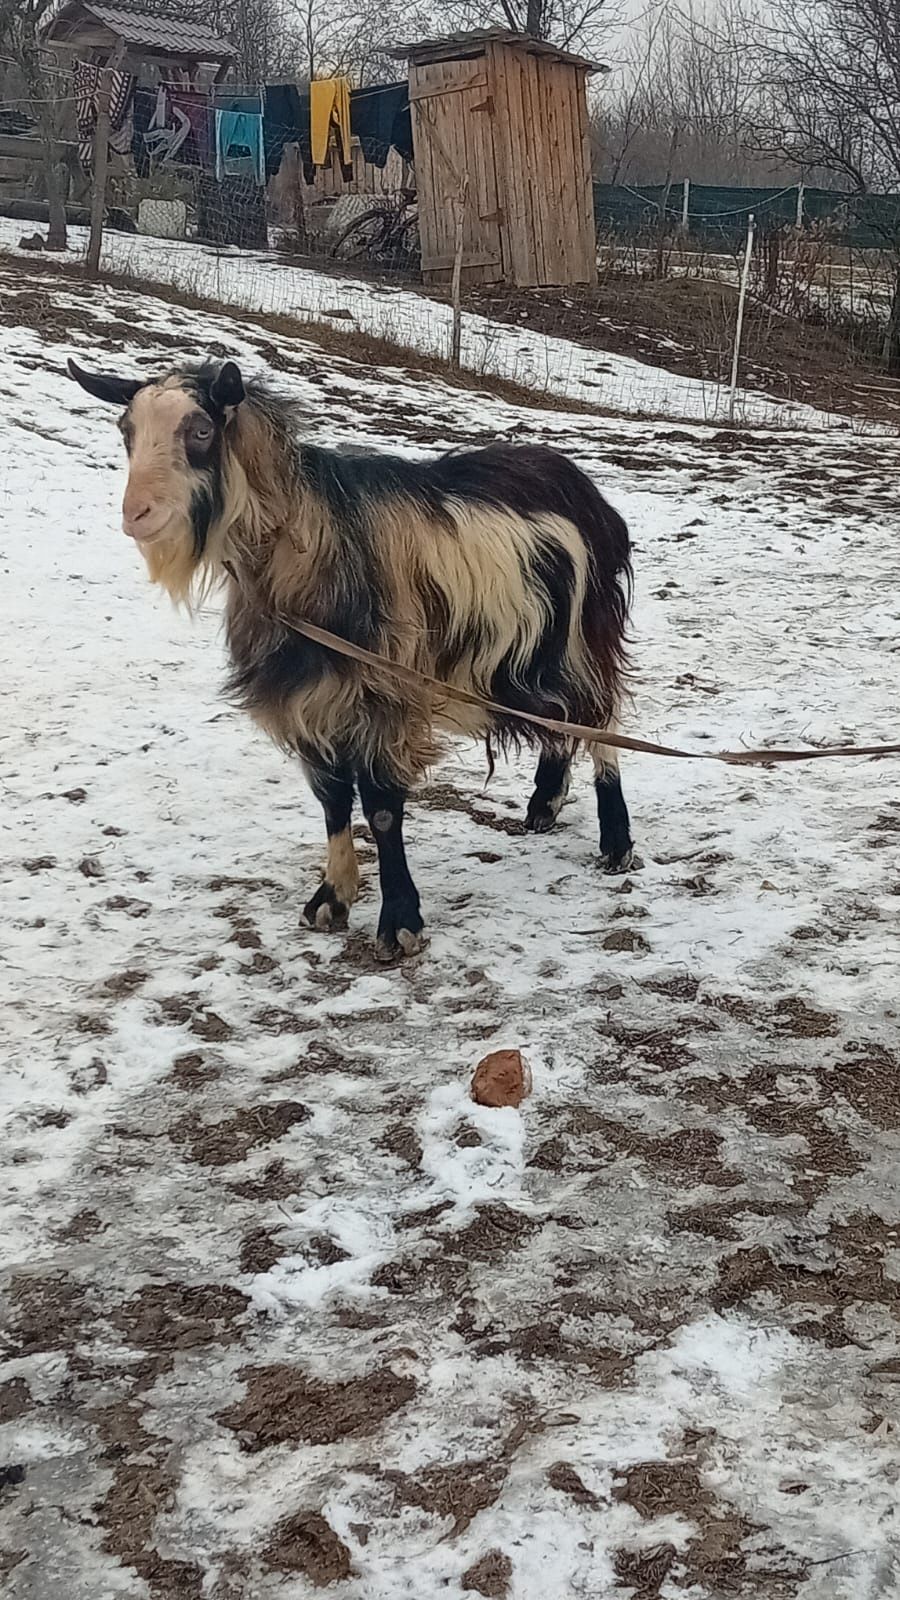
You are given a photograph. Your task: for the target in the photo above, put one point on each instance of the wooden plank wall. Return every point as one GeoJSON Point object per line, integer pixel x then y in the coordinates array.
{"type": "Point", "coordinates": [543, 161]}
{"type": "Point", "coordinates": [330, 184]}
{"type": "Point", "coordinates": [452, 134]}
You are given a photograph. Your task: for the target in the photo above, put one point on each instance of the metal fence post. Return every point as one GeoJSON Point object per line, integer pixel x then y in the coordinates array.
{"type": "Point", "coordinates": [742, 296]}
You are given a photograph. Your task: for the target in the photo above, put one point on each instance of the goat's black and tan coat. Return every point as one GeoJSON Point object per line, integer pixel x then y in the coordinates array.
{"type": "Point", "coordinates": [499, 571]}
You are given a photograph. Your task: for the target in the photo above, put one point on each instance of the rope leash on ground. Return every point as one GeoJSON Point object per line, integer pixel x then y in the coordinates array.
{"type": "Point", "coordinates": [575, 730]}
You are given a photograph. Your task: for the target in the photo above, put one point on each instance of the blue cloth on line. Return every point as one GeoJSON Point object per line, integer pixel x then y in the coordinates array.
{"type": "Point", "coordinates": [239, 146]}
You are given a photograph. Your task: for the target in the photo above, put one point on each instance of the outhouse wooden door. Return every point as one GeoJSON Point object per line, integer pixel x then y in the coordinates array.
{"type": "Point", "coordinates": [452, 111]}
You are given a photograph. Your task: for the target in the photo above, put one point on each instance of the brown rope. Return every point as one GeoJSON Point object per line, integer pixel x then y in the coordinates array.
{"type": "Point", "coordinates": [575, 730]}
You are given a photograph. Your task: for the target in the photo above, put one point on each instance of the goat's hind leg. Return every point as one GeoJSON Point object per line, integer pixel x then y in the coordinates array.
{"type": "Point", "coordinates": [400, 922]}
{"type": "Point", "coordinates": [616, 848]}
{"type": "Point", "coordinates": [330, 904]}
{"type": "Point", "coordinates": [551, 785]}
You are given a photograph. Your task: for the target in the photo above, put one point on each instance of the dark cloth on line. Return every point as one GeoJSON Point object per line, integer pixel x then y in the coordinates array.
{"type": "Point", "coordinates": [225, 99]}
{"type": "Point", "coordinates": [286, 121]}
{"type": "Point", "coordinates": [402, 138]}
{"type": "Point", "coordinates": [197, 148]}
{"type": "Point", "coordinates": [377, 120]}
{"type": "Point", "coordinates": [144, 107]}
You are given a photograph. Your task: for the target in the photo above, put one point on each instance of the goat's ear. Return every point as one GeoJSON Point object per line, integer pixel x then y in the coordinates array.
{"type": "Point", "coordinates": [227, 387]}
{"type": "Point", "coordinates": [103, 386]}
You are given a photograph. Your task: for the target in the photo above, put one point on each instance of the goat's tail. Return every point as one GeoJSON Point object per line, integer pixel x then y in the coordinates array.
{"type": "Point", "coordinates": [608, 591]}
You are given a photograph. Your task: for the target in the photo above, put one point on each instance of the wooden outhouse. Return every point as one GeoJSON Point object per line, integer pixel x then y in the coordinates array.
{"type": "Point", "coordinates": [503, 118]}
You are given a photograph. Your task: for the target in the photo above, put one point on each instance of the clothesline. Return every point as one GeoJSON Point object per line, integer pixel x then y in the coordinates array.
{"type": "Point", "coordinates": [240, 131]}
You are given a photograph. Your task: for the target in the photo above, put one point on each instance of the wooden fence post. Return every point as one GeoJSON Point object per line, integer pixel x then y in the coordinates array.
{"type": "Point", "coordinates": [459, 207]}
{"type": "Point", "coordinates": [98, 175]}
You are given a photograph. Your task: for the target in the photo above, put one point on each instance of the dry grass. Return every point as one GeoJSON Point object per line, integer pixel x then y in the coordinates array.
{"type": "Point", "coordinates": [354, 344]}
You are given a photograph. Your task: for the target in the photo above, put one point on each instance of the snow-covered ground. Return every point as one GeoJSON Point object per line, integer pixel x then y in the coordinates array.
{"type": "Point", "coordinates": [284, 1308]}
{"type": "Point", "coordinates": [268, 284]}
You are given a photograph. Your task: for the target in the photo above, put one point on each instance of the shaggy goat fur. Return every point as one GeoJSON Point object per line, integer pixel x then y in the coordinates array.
{"type": "Point", "coordinates": [500, 571]}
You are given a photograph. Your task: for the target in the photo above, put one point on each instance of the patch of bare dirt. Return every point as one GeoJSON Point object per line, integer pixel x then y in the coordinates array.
{"type": "Point", "coordinates": [489, 1575]}
{"type": "Point", "coordinates": [792, 1016]}
{"type": "Point", "coordinates": [15, 1400]}
{"type": "Point", "coordinates": [122, 984]}
{"type": "Point", "coordinates": [462, 1489]}
{"type": "Point", "coordinates": [141, 1488]}
{"type": "Point", "coordinates": [684, 325]}
{"type": "Point", "coordinates": [563, 1477]}
{"type": "Point", "coordinates": [47, 1313]}
{"type": "Point", "coordinates": [870, 1082]}
{"type": "Point", "coordinates": [714, 1559]}
{"type": "Point", "coordinates": [219, 1144]}
{"type": "Point", "coordinates": [684, 1159]}
{"type": "Point", "coordinates": [660, 1047]}
{"type": "Point", "coordinates": [306, 1543]}
{"type": "Point", "coordinates": [494, 1231]}
{"type": "Point", "coordinates": [856, 1274]}
{"type": "Point", "coordinates": [259, 1251]}
{"type": "Point", "coordinates": [772, 1103]}
{"type": "Point", "coordinates": [282, 1405]}
{"type": "Point", "coordinates": [626, 939]}
{"type": "Point", "coordinates": [165, 1317]}
{"type": "Point", "coordinates": [82, 1226]}
{"type": "Point", "coordinates": [276, 1182]}
{"type": "Point", "coordinates": [402, 1141]}
{"type": "Point", "coordinates": [193, 1069]}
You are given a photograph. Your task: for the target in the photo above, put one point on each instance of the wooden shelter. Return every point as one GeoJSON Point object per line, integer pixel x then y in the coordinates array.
{"type": "Point", "coordinates": [502, 118]}
{"type": "Point", "coordinates": [156, 48]}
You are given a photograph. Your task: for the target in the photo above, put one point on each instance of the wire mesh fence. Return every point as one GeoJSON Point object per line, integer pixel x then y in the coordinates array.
{"type": "Point", "coordinates": [337, 246]}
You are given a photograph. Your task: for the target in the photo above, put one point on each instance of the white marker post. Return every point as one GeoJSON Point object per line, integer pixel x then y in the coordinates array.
{"type": "Point", "coordinates": [742, 296]}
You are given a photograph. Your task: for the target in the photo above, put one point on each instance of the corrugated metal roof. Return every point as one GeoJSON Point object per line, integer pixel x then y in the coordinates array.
{"type": "Point", "coordinates": [170, 34]}
{"type": "Point", "coordinates": [423, 49]}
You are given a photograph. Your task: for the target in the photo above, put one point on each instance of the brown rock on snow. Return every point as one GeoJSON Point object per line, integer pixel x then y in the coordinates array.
{"type": "Point", "coordinates": [501, 1079]}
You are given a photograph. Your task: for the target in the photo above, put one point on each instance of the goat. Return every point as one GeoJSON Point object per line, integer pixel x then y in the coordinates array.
{"type": "Point", "coordinates": [500, 571]}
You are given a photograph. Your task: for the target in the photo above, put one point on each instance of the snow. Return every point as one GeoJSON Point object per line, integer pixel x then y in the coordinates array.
{"type": "Point", "coordinates": [553, 366]}
{"type": "Point", "coordinates": [532, 1271]}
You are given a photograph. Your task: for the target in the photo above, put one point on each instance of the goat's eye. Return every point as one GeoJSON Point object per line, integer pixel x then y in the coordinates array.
{"type": "Point", "coordinates": [202, 432]}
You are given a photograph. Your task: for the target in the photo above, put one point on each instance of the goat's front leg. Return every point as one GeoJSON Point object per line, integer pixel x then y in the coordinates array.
{"type": "Point", "coordinates": [400, 922]}
{"type": "Point", "coordinates": [330, 904]}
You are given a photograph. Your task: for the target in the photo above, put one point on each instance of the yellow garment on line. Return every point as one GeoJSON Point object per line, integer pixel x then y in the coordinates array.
{"type": "Point", "coordinates": [329, 104]}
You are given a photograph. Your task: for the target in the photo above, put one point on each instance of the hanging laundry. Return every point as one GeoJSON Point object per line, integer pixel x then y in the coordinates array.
{"type": "Point", "coordinates": [239, 146]}
{"type": "Point", "coordinates": [225, 99]}
{"type": "Point", "coordinates": [377, 121]}
{"type": "Point", "coordinates": [196, 149]}
{"type": "Point", "coordinates": [142, 110]}
{"type": "Point", "coordinates": [85, 86]}
{"type": "Point", "coordinates": [401, 134]}
{"type": "Point", "coordinates": [168, 132]}
{"type": "Point", "coordinates": [286, 121]}
{"type": "Point", "coordinates": [329, 107]}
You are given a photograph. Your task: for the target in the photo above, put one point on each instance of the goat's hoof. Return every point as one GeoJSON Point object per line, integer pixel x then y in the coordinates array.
{"type": "Point", "coordinates": [325, 911]}
{"type": "Point", "coordinates": [399, 932]}
{"type": "Point", "coordinates": [405, 944]}
{"type": "Point", "coordinates": [540, 819]}
{"type": "Point", "coordinates": [616, 866]}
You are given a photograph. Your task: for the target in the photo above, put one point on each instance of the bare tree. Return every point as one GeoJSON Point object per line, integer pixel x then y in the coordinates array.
{"type": "Point", "coordinates": [352, 37]}
{"type": "Point", "coordinates": [20, 36]}
{"type": "Point", "coordinates": [571, 24]}
{"type": "Point", "coordinates": [685, 84]}
{"type": "Point", "coordinates": [832, 69]}
{"type": "Point", "coordinates": [266, 46]}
